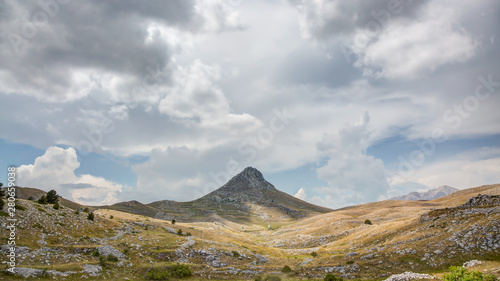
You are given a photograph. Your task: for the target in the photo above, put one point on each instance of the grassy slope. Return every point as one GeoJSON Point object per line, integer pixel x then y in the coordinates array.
{"type": "Point", "coordinates": [331, 235]}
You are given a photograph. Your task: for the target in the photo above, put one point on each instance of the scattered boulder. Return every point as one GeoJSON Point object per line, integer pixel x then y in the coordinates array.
{"type": "Point", "coordinates": [409, 276]}
{"type": "Point", "coordinates": [472, 263]}
{"type": "Point", "coordinates": [28, 272]}
{"type": "Point", "coordinates": [107, 250]}
{"type": "Point", "coordinates": [92, 270]}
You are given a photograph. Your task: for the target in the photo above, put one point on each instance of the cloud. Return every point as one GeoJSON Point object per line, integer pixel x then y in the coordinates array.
{"type": "Point", "coordinates": [301, 194]}
{"type": "Point", "coordinates": [411, 49]}
{"type": "Point", "coordinates": [353, 176]}
{"type": "Point", "coordinates": [56, 170]}
{"type": "Point", "coordinates": [463, 170]}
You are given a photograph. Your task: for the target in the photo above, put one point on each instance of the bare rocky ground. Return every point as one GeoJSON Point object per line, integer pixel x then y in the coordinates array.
{"type": "Point", "coordinates": [403, 241]}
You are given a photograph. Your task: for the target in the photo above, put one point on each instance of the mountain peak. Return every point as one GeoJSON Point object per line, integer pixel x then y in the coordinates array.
{"type": "Point", "coordinates": [249, 177]}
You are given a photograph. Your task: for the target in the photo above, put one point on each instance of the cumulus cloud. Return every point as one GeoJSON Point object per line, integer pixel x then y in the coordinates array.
{"type": "Point", "coordinates": [301, 194]}
{"type": "Point", "coordinates": [410, 49]}
{"type": "Point", "coordinates": [56, 170]}
{"type": "Point", "coordinates": [352, 175]}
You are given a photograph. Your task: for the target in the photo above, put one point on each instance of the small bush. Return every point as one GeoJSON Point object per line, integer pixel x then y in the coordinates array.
{"type": "Point", "coordinates": [77, 212]}
{"type": "Point", "coordinates": [4, 214]}
{"type": "Point", "coordinates": [314, 254]}
{"type": "Point", "coordinates": [180, 271]}
{"type": "Point", "coordinates": [125, 251]}
{"type": "Point", "coordinates": [158, 274]}
{"type": "Point", "coordinates": [257, 278]}
{"type": "Point", "coordinates": [179, 232]}
{"type": "Point", "coordinates": [112, 258]}
{"type": "Point", "coordinates": [111, 217]}
{"type": "Point", "coordinates": [272, 278]}
{"type": "Point", "coordinates": [52, 197]}
{"type": "Point", "coordinates": [286, 269]}
{"type": "Point", "coordinates": [56, 206]}
{"type": "Point", "coordinates": [1, 204]}
{"type": "Point", "coordinates": [173, 221]}
{"type": "Point", "coordinates": [95, 253]}
{"type": "Point", "coordinates": [331, 277]}
{"type": "Point", "coordinates": [349, 262]}
{"type": "Point", "coordinates": [459, 273]}
{"type": "Point", "coordinates": [235, 253]}
{"type": "Point", "coordinates": [31, 198]}
{"type": "Point", "coordinates": [102, 261]}
{"type": "Point", "coordinates": [42, 200]}
{"type": "Point", "coordinates": [19, 207]}
{"type": "Point", "coordinates": [367, 221]}
{"type": "Point", "coordinates": [86, 210]}
{"type": "Point", "coordinates": [90, 216]}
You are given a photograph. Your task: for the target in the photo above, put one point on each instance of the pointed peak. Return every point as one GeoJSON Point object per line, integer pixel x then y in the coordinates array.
{"type": "Point", "coordinates": [252, 172]}
{"type": "Point", "coordinates": [250, 177]}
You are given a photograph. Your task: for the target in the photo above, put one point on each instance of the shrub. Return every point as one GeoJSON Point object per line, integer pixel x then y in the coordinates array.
{"type": "Point", "coordinates": [125, 251]}
{"type": "Point", "coordinates": [19, 207]}
{"type": "Point", "coordinates": [314, 254]}
{"type": "Point", "coordinates": [286, 269]}
{"type": "Point", "coordinates": [349, 262]}
{"type": "Point", "coordinates": [459, 273]}
{"type": "Point", "coordinates": [52, 197]}
{"type": "Point", "coordinates": [1, 204]}
{"type": "Point", "coordinates": [235, 253]}
{"type": "Point", "coordinates": [180, 271]}
{"type": "Point", "coordinates": [367, 221]}
{"type": "Point", "coordinates": [86, 210]}
{"type": "Point", "coordinates": [188, 234]}
{"type": "Point", "coordinates": [179, 232]}
{"type": "Point", "coordinates": [90, 216]}
{"type": "Point", "coordinates": [272, 278]}
{"type": "Point", "coordinates": [112, 258]}
{"type": "Point", "coordinates": [31, 198]}
{"type": "Point", "coordinates": [77, 212]}
{"type": "Point", "coordinates": [42, 200]}
{"type": "Point", "coordinates": [257, 278]}
{"type": "Point", "coordinates": [157, 274]}
{"type": "Point", "coordinates": [173, 221]}
{"type": "Point", "coordinates": [331, 277]}
{"type": "Point", "coordinates": [95, 253]}
{"type": "Point", "coordinates": [56, 206]}
{"type": "Point", "coordinates": [102, 261]}
{"type": "Point", "coordinates": [111, 217]}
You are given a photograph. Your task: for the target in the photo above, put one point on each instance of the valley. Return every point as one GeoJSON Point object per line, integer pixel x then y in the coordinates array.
{"type": "Point", "coordinates": [247, 228]}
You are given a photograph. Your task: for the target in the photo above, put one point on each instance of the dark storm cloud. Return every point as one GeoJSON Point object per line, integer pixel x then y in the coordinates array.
{"type": "Point", "coordinates": [324, 19]}
{"type": "Point", "coordinates": [38, 54]}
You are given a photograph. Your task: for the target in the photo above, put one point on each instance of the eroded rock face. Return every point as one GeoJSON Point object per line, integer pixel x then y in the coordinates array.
{"type": "Point", "coordinates": [482, 200]}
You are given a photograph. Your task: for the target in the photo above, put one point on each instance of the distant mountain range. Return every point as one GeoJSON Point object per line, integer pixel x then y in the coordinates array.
{"type": "Point", "coordinates": [427, 195]}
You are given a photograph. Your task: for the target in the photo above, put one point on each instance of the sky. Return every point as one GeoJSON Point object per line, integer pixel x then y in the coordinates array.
{"type": "Point", "coordinates": [335, 102]}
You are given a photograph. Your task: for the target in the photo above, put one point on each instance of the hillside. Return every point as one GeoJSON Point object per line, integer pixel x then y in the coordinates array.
{"type": "Point", "coordinates": [247, 197]}
{"type": "Point", "coordinates": [418, 236]}
{"type": "Point", "coordinates": [427, 195]}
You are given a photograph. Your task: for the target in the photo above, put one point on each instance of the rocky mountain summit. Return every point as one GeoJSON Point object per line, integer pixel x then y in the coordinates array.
{"type": "Point", "coordinates": [247, 196]}
{"type": "Point", "coordinates": [427, 195]}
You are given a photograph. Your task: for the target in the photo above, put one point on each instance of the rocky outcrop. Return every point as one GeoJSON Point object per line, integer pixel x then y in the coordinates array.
{"type": "Point", "coordinates": [409, 276]}
{"type": "Point", "coordinates": [482, 201]}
